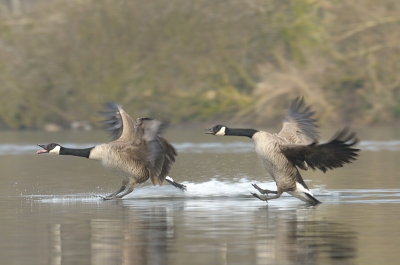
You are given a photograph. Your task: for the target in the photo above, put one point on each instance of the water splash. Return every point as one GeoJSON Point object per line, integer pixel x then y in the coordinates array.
{"type": "Point", "coordinates": [229, 192]}
{"type": "Point", "coordinates": [212, 189]}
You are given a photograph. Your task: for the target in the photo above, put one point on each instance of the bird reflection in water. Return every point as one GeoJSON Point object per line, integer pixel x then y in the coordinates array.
{"type": "Point", "coordinates": [140, 238]}
{"type": "Point", "coordinates": [293, 241]}
{"type": "Point", "coordinates": [194, 232]}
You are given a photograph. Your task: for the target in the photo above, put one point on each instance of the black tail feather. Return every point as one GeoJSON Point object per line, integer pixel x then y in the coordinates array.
{"type": "Point", "coordinates": [314, 200]}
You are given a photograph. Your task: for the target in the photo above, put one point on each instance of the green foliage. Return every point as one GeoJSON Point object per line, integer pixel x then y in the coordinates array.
{"type": "Point", "coordinates": [193, 60]}
{"type": "Point", "coordinates": [299, 27]}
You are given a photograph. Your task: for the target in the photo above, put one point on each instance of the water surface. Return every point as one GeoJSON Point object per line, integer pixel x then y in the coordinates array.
{"type": "Point", "coordinates": [51, 212]}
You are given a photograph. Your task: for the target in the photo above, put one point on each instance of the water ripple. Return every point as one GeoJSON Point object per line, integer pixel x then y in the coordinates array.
{"type": "Point", "coordinates": [189, 147]}
{"type": "Point", "coordinates": [238, 189]}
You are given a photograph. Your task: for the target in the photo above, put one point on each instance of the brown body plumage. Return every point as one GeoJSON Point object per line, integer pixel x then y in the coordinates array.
{"type": "Point", "coordinates": [137, 154]}
{"type": "Point", "coordinates": [295, 146]}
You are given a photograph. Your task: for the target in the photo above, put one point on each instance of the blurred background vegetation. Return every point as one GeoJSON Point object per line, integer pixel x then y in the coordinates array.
{"type": "Point", "coordinates": [198, 60]}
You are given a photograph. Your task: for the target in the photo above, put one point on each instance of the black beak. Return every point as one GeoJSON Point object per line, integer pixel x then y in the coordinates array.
{"type": "Point", "coordinates": [44, 150]}
{"type": "Point", "coordinates": [209, 131]}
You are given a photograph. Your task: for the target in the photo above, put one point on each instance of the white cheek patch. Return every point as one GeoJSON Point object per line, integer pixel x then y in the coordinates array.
{"type": "Point", "coordinates": [221, 131]}
{"type": "Point", "coordinates": [55, 150]}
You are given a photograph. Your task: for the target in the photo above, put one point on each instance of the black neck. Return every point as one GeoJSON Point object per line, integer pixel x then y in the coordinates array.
{"type": "Point", "coordinates": [240, 132]}
{"type": "Point", "coordinates": [76, 152]}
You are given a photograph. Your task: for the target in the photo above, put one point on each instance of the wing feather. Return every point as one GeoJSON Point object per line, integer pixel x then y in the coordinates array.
{"type": "Point", "coordinates": [142, 141]}
{"type": "Point", "coordinates": [330, 155]}
{"type": "Point", "coordinates": [118, 123]}
{"type": "Point", "coordinates": [164, 163]}
{"type": "Point", "coordinates": [298, 125]}
{"type": "Point", "coordinates": [161, 154]}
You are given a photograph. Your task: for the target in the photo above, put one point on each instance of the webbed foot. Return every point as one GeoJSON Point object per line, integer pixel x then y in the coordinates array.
{"type": "Point", "coordinates": [259, 197]}
{"type": "Point", "coordinates": [108, 197]}
{"type": "Point", "coordinates": [263, 191]}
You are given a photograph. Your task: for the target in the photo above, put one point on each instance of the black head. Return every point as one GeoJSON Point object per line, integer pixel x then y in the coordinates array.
{"type": "Point", "coordinates": [49, 148]}
{"type": "Point", "coordinates": [217, 130]}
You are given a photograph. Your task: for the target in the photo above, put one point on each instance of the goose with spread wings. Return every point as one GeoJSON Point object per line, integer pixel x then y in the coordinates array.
{"type": "Point", "coordinates": [295, 147]}
{"type": "Point", "coordinates": [136, 154]}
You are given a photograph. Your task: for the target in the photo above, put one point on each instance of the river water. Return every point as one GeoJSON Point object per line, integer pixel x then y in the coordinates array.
{"type": "Point", "coordinates": [51, 212]}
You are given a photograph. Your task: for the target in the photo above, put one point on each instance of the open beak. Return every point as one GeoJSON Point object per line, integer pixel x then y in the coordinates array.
{"type": "Point", "coordinates": [209, 131]}
{"type": "Point", "coordinates": [43, 150]}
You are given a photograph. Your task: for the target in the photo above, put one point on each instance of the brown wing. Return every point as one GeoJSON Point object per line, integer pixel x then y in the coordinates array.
{"type": "Point", "coordinates": [325, 156]}
{"type": "Point", "coordinates": [118, 123]}
{"type": "Point", "coordinates": [161, 154]}
{"type": "Point", "coordinates": [298, 125]}
{"type": "Point", "coordinates": [131, 152]}
{"type": "Point", "coordinates": [142, 141]}
{"type": "Point", "coordinates": [151, 129]}
{"type": "Point", "coordinates": [163, 163]}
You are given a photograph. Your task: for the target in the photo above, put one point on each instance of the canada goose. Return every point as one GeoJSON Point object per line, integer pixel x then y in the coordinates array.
{"type": "Point", "coordinates": [138, 154]}
{"type": "Point", "coordinates": [296, 145]}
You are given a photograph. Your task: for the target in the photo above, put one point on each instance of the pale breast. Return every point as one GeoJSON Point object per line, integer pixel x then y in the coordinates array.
{"type": "Point", "coordinates": [268, 151]}
{"type": "Point", "coordinates": [121, 160]}
{"type": "Point", "coordinates": [98, 152]}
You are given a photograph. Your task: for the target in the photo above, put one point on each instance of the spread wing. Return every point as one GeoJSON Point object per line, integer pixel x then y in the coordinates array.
{"type": "Point", "coordinates": [333, 154]}
{"type": "Point", "coordinates": [161, 154]}
{"type": "Point", "coordinates": [142, 140]}
{"type": "Point", "coordinates": [150, 129]}
{"type": "Point", "coordinates": [163, 163]}
{"type": "Point", "coordinates": [298, 125]}
{"type": "Point", "coordinates": [118, 123]}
